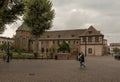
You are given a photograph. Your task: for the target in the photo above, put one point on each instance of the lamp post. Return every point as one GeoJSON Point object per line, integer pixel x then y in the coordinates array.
{"type": "Point", "coordinates": [84, 43]}
{"type": "Point", "coordinates": [8, 53]}
{"type": "Point", "coordinates": [85, 46]}
{"type": "Point", "coordinates": [85, 40]}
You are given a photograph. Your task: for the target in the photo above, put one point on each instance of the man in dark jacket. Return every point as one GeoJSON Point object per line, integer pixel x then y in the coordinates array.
{"type": "Point", "coordinates": [81, 59]}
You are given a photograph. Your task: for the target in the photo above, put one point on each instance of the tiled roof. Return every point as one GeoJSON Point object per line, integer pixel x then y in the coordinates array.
{"type": "Point", "coordinates": [93, 32]}
{"type": "Point", "coordinates": [24, 27]}
{"type": "Point", "coordinates": [73, 33]}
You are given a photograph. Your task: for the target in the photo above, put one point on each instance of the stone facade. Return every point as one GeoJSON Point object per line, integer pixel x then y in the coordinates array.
{"type": "Point", "coordinates": [89, 41]}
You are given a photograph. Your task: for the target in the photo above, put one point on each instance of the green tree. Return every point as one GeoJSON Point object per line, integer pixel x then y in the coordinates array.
{"type": "Point", "coordinates": [4, 47]}
{"type": "Point", "coordinates": [38, 17]}
{"type": "Point", "coordinates": [10, 10]}
{"type": "Point", "coordinates": [116, 50]}
{"type": "Point", "coordinates": [64, 47]}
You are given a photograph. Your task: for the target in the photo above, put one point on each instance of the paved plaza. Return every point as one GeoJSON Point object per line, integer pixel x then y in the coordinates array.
{"type": "Point", "coordinates": [98, 69]}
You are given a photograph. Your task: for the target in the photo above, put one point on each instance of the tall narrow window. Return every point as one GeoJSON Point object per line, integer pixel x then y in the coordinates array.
{"type": "Point", "coordinates": [53, 42]}
{"type": "Point", "coordinates": [46, 49]}
{"type": "Point", "coordinates": [42, 50]}
{"type": "Point", "coordinates": [53, 50]}
{"type": "Point", "coordinates": [90, 50]}
{"type": "Point", "coordinates": [90, 39]}
{"type": "Point", "coordinates": [84, 39]}
{"type": "Point", "coordinates": [96, 39]}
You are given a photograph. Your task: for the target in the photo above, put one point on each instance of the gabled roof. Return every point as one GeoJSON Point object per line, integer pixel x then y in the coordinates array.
{"type": "Point", "coordinates": [72, 31]}
{"type": "Point", "coordinates": [91, 31]}
{"type": "Point", "coordinates": [23, 27]}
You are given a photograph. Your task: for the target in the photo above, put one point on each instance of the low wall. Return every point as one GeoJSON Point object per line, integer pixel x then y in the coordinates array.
{"type": "Point", "coordinates": [66, 56]}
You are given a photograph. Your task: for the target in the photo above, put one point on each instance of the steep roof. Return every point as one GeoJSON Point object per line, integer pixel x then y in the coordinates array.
{"type": "Point", "coordinates": [23, 27]}
{"type": "Point", "coordinates": [91, 31]}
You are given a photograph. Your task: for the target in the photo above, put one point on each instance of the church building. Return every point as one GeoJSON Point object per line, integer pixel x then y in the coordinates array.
{"type": "Point", "coordinates": [89, 41]}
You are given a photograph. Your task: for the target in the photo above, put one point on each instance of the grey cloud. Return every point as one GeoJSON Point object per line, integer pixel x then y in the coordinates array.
{"type": "Point", "coordinates": [62, 3]}
{"type": "Point", "coordinates": [103, 14]}
{"type": "Point", "coordinates": [74, 14]}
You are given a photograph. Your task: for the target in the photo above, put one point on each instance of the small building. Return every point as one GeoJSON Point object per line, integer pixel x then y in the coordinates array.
{"type": "Point", "coordinates": [114, 45]}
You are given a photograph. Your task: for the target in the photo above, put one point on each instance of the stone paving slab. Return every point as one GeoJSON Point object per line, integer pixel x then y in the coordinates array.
{"type": "Point", "coordinates": [98, 69]}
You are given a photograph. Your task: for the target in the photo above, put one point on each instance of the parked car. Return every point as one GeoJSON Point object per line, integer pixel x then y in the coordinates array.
{"type": "Point", "coordinates": [117, 56]}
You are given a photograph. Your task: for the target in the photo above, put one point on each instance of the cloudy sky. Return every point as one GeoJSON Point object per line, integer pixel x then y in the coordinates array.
{"type": "Point", "coordinates": [104, 15]}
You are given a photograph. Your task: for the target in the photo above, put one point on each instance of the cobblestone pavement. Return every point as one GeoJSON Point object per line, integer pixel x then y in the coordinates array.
{"type": "Point", "coordinates": [98, 69]}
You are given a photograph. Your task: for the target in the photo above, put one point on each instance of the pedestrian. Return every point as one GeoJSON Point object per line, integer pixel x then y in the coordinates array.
{"type": "Point", "coordinates": [81, 59]}
{"type": "Point", "coordinates": [4, 57]}
{"type": "Point", "coordinates": [56, 57]}
{"type": "Point", "coordinates": [8, 58]}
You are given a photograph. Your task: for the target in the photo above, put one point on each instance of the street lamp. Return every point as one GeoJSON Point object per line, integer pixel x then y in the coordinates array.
{"type": "Point", "coordinates": [85, 46]}
{"type": "Point", "coordinates": [8, 53]}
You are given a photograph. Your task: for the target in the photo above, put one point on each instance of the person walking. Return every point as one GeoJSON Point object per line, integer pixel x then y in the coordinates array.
{"type": "Point", "coordinates": [82, 60]}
